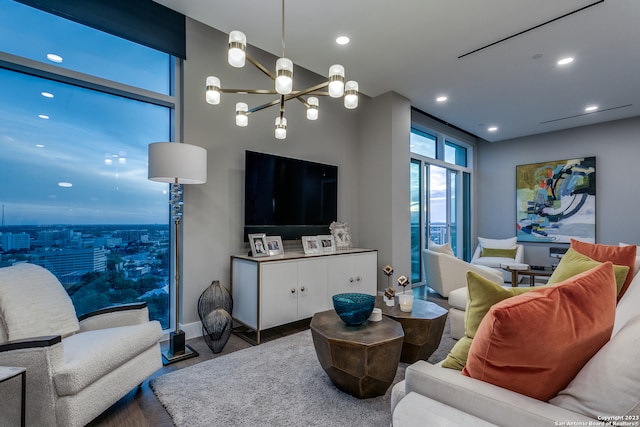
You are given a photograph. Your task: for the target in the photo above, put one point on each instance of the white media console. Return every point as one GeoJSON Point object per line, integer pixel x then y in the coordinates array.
{"type": "Point", "coordinates": [277, 290]}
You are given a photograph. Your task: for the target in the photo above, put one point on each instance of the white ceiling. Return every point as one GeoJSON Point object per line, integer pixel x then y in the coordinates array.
{"type": "Point", "coordinates": [412, 47]}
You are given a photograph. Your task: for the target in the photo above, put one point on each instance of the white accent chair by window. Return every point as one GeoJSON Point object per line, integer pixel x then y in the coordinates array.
{"type": "Point", "coordinates": [495, 252]}
{"type": "Point", "coordinates": [445, 272]}
{"type": "Point", "coordinates": [76, 368]}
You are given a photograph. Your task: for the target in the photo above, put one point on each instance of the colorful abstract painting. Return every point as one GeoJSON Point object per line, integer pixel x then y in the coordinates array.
{"type": "Point", "coordinates": [556, 201]}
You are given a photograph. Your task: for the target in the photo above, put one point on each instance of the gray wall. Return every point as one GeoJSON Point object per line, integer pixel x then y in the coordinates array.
{"type": "Point", "coordinates": [616, 146]}
{"type": "Point", "coordinates": [213, 213]}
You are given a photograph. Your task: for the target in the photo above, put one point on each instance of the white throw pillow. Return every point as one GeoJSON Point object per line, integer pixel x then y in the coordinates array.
{"type": "Point", "coordinates": [636, 267]}
{"type": "Point", "coordinates": [627, 307]}
{"type": "Point", "coordinates": [441, 249]}
{"type": "Point", "coordinates": [498, 243]}
{"type": "Point", "coordinates": [609, 384]}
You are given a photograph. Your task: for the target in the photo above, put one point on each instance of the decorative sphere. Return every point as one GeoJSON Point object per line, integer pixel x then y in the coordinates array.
{"type": "Point", "coordinates": [353, 308]}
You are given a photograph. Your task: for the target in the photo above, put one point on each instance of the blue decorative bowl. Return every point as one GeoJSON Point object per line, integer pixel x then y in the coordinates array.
{"type": "Point", "coordinates": [354, 309]}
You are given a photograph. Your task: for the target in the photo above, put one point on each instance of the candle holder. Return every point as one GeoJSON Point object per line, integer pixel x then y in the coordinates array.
{"type": "Point", "coordinates": [405, 300]}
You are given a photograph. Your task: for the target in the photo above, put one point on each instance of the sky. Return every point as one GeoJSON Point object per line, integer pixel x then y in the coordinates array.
{"type": "Point", "coordinates": [70, 155]}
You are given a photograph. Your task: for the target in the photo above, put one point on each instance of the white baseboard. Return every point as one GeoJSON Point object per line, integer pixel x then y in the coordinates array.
{"type": "Point", "coordinates": [191, 330]}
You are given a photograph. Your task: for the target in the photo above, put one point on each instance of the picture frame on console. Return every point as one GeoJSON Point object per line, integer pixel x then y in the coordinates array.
{"type": "Point", "coordinates": [327, 243]}
{"type": "Point", "coordinates": [311, 245]}
{"type": "Point", "coordinates": [274, 245]}
{"type": "Point", "coordinates": [341, 234]}
{"type": "Point", "coordinates": [258, 244]}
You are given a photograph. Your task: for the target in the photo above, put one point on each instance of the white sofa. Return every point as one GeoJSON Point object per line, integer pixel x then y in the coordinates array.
{"type": "Point", "coordinates": [76, 369]}
{"type": "Point", "coordinates": [446, 272]}
{"type": "Point", "coordinates": [610, 380]}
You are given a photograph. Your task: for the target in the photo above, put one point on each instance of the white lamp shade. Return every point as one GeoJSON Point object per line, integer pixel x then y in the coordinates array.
{"type": "Point", "coordinates": [173, 162]}
{"type": "Point", "coordinates": [281, 128]}
{"type": "Point", "coordinates": [212, 94]}
{"type": "Point", "coordinates": [336, 81]}
{"type": "Point", "coordinates": [284, 76]}
{"type": "Point", "coordinates": [351, 95]}
{"type": "Point", "coordinates": [312, 110]}
{"type": "Point", "coordinates": [241, 114]}
{"type": "Point", "coordinates": [237, 45]}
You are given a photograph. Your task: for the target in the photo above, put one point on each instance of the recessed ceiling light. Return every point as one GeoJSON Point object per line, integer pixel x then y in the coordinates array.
{"type": "Point", "coordinates": [441, 98]}
{"type": "Point", "coordinates": [64, 184]}
{"type": "Point", "coordinates": [492, 128]}
{"type": "Point", "coordinates": [54, 58]}
{"type": "Point", "coordinates": [565, 61]}
{"type": "Point", "coordinates": [43, 116]}
{"type": "Point", "coordinates": [591, 108]}
{"type": "Point", "coordinates": [46, 94]}
{"type": "Point", "coordinates": [343, 40]}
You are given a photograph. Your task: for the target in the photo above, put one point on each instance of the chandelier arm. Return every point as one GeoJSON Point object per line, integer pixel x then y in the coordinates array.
{"type": "Point", "coordinates": [263, 106]}
{"type": "Point", "coordinates": [250, 91]}
{"type": "Point", "coordinates": [260, 67]}
{"type": "Point", "coordinates": [310, 91]}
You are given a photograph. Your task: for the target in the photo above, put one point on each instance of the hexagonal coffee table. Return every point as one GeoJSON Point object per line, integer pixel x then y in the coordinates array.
{"type": "Point", "coordinates": [359, 360]}
{"type": "Point", "coordinates": [423, 327]}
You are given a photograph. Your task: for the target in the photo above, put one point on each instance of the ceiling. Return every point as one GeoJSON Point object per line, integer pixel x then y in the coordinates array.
{"type": "Point", "coordinates": [416, 48]}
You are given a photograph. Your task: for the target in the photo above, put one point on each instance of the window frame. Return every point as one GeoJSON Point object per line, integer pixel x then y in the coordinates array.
{"type": "Point", "coordinates": [51, 72]}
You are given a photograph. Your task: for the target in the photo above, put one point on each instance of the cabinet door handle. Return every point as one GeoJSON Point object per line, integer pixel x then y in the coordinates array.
{"type": "Point", "coordinates": [302, 289]}
{"type": "Point", "coordinates": [293, 290]}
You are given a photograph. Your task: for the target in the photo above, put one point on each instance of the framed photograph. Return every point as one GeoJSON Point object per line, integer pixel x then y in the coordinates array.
{"type": "Point", "coordinates": [311, 245]}
{"type": "Point", "coordinates": [258, 244]}
{"type": "Point", "coordinates": [327, 243]}
{"type": "Point", "coordinates": [274, 245]}
{"type": "Point", "coordinates": [556, 201]}
{"type": "Point", "coordinates": [341, 235]}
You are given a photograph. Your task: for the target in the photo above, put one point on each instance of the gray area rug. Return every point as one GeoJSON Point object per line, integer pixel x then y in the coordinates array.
{"type": "Point", "coordinates": [279, 383]}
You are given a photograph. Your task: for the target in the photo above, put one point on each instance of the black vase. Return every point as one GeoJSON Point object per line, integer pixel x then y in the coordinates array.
{"type": "Point", "coordinates": [214, 308]}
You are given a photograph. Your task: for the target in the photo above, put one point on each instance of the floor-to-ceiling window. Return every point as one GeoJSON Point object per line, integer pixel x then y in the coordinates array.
{"type": "Point", "coordinates": [440, 193]}
{"type": "Point", "coordinates": [79, 108]}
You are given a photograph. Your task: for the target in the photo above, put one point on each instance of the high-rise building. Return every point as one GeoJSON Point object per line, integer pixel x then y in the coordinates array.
{"type": "Point", "coordinates": [11, 241]}
{"type": "Point", "coordinates": [72, 261]}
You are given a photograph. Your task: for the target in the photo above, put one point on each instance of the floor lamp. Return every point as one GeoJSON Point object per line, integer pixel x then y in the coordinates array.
{"type": "Point", "coordinates": [177, 164]}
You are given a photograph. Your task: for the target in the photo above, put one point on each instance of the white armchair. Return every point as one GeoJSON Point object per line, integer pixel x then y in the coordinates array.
{"type": "Point", "coordinates": [446, 272]}
{"type": "Point", "coordinates": [76, 369]}
{"type": "Point", "coordinates": [496, 261]}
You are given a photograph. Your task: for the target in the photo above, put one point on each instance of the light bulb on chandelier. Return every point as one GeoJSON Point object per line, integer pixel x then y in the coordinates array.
{"type": "Point", "coordinates": [281, 127]}
{"type": "Point", "coordinates": [237, 56]}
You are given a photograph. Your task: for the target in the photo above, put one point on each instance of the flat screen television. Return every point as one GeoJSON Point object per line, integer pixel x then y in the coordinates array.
{"type": "Point", "coordinates": [288, 197]}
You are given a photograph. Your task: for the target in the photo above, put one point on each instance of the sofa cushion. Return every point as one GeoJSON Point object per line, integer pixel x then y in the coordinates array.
{"type": "Point", "coordinates": [619, 255]}
{"type": "Point", "coordinates": [441, 249]}
{"type": "Point", "coordinates": [482, 293]}
{"type": "Point", "coordinates": [497, 243]}
{"type": "Point", "coordinates": [500, 253]}
{"type": "Point", "coordinates": [32, 286]}
{"type": "Point", "coordinates": [91, 355]}
{"type": "Point", "coordinates": [609, 384]}
{"type": "Point", "coordinates": [536, 343]}
{"type": "Point", "coordinates": [573, 262]}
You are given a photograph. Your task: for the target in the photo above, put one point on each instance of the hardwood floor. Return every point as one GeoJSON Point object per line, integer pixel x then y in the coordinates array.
{"type": "Point", "coordinates": [141, 408]}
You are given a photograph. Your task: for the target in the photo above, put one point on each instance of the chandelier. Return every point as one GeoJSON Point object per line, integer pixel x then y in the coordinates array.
{"type": "Point", "coordinates": [283, 87]}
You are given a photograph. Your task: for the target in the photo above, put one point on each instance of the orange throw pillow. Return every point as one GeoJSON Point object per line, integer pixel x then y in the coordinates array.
{"type": "Point", "coordinates": [619, 255]}
{"type": "Point", "coordinates": [536, 343]}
